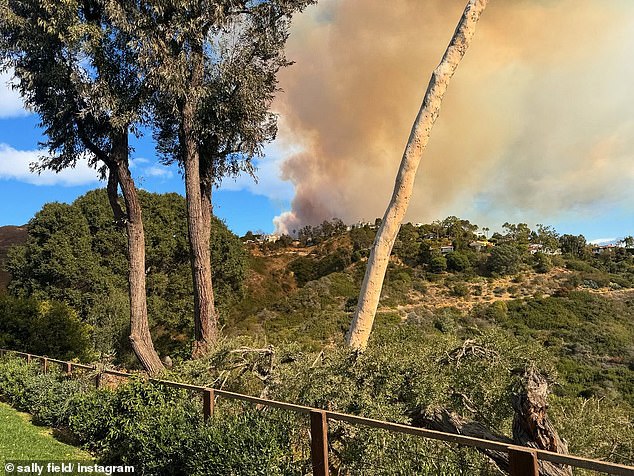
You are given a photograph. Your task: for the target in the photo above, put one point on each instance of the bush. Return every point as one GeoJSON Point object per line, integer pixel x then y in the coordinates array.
{"type": "Point", "coordinates": [460, 290]}
{"type": "Point", "coordinates": [438, 264]}
{"type": "Point", "coordinates": [504, 259]}
{"type": "Point", "coordinates": [458, 261]}
{"type": "Point", "coordinates": [405, 368]}
{"type": "Point", "coordinates": [542, 263]}
{"type": "Point", "coordinates": [44, 328]}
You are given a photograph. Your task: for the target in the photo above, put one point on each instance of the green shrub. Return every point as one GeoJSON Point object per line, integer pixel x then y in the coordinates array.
{"type": "Point", "coordinates": [406, 367]}
{"type": "Point", "coordinates": [438, 264]}
{"type": "Point", "coordinates": [45, 328]}
{"type": "Point", "coordinates": [460, 290]}
{"type": "Point", "coordinates": [504, 259]}
{"type": "Point", "coordinates": [542, 262]}
{"type": "Point", "coordinates": [458, 261]}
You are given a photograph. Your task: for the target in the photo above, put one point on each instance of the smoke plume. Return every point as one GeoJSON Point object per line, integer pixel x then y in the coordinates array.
{"type": "Point", "coordinates": [537, 121]}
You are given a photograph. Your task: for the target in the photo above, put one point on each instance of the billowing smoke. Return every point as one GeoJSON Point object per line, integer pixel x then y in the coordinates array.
{"type": "Point", "coordinates": [538, 120]}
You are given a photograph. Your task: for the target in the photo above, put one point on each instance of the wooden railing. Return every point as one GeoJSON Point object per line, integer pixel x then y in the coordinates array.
{"type": "Point", "coordinates": [523, 461]}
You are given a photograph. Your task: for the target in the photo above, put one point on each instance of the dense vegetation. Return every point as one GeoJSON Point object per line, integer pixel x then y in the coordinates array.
{"type": "Point", "coordinates": [160, 430]}
{"type": "Point", "coordinates": [570, 314]}
{"type": "Point", "coordinates": [75, 254]}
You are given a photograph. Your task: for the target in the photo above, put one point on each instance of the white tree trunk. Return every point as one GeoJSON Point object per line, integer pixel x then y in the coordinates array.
{"type": "Point", "coordinates": [363, 320]}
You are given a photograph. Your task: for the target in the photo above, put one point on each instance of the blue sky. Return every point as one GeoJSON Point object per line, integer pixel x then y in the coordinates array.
{"type": "Point", "coordinates": [242, 203]}
{"type": "Point", "coordinates": [537, 125]}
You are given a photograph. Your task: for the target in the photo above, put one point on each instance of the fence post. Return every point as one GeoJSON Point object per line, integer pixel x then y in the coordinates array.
{"type": "Point", "coordinates": [523, 461]}
{"type": "Point", "coordinates": [319, 442]}
{"type": "Point", "coordinates": [45, 365]}
{"type": "Point", "coordinates": [28, 358]}
{"type": "Point", "coordinates": [208, 403]}
{"type": "Point", "coordinates": [69, 368]}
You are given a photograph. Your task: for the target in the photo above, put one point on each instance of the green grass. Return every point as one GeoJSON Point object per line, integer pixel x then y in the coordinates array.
{"type": "Point", "coordinates": [21, 440]}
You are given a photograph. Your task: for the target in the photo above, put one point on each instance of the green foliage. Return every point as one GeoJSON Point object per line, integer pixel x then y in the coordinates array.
{"type": "Point", "coordinates": [505, 258]}
{"type": "Point", "coordinates": [407, 245]}
{"type": "Point", "coordinates": [547, 237]}
{"type": "Point", "coordinates": [77, 255]}
{"type": "Point", "coordinates": [158, 430]}
{"type": "Point", "coordinates": [573, 245]}
{"type": "Point", "coordinates": [590, 334]}
{"type": "Point", "coordinates": [46, 396]}
{"type": "Point", "coordinates": [307, 268]}
{"type": "Point", "coordinates": [405, 368]}
{"type": "Point", "coordinates": [438, 264]}
{"type": "Point", "coordinates": [362, 239]}
{"type": "Point", "coordinates": [517, 233]}
{"type": "Point", "coordinates": [460, 290]}
{"type": "Point", "coordinates": [44, 328]}
{"type": "Point", "coordinates": [458, 261]}
{"type": "Point", "coordinates": [542, 262]}
{"type": "Point", "coordinates": [594, 428]}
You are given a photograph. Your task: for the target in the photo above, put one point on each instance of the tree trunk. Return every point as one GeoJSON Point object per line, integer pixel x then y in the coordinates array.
{"type": "Point", "coordinates": [531, 426]}
{"type": "Point", "coordinates": [140, 336]}
{"type": "Point", "coordinates": [199, 228]}
{"type": "Point", "coordinates": [363, 320]}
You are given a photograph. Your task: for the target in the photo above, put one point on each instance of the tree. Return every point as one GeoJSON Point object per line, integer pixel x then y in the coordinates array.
{"type": "Point", "coordinates": [76, 254]}
{"type": "Point", "coordinates": [70, 67]}
{"type": "Point", "coordinates": [505, 258]}
{"type": "Point", "coordinates": [573, 245]}
{"type": "Point", "coordinates": [407, 245]}
{"type": "Point", "coordinates": [519, 233]}
{"type": "Point", "coordinates": [461, 232]}
{"type": "Point", "coordinates": [438, 263]}
{"type": "Point", "coordinates": [546, 236]}
{"type": "Point", "coordinates": [45, 328]}
{"type": "Point", "coordinates": [458, 261]}
{"type": "Point", "coordinates": [212, 67]}
{"type": "Point", "coordinates": [628, 241]}
{"type": "Point", "coordinates": [363, 319]}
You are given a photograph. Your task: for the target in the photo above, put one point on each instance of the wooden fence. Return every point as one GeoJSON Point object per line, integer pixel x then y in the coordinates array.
{"type": "Point", "coordinates": [523, 461]}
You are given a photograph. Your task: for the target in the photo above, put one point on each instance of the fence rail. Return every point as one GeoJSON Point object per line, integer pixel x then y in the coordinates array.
{"type": "Point", "coordinates": [523, 461]}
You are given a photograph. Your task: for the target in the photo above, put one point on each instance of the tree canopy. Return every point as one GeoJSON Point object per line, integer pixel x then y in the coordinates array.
{"type": "Point", "coordinates": [75, 254]}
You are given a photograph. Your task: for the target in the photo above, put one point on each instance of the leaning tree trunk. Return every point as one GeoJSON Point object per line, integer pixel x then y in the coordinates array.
{"type": "Point", "coordinates": [199, 228]}
{"type": "Point", "coordinates": [363, 320]}
{"type": "Point", "coordinates": [140, 336]}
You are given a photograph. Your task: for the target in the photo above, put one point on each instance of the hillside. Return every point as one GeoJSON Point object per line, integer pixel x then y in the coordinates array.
{"type": "Point", "coordinates": [461, 319]}
{"type": "Point", "coordinates": [9, 236]}
{"type": "Point", "coordinates": [578, 312]}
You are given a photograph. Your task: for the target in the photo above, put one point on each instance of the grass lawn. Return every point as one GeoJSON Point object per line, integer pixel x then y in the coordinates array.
{"type": "Point", "coordinates": [21, 440]}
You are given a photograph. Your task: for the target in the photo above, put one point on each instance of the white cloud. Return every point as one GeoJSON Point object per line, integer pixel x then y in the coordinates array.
{"type": "Point", "coordinates": [269, 182]}
{"type": "Point", "coordinates": [11, 104]}
{"type": "Point", "coordinates": [15, 165]}
{"type": "Point", "coordinates": [157, 171]}
{"type": "Point", "coordinates": [138, 162]}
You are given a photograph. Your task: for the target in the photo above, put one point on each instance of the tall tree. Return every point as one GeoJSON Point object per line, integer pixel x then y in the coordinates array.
{"type": "Point", "coordinates": [361, 326]}
{"type": "Point", "coordinates": [212, 65]}
{"type": "Point", "coordinates": [71, 70]}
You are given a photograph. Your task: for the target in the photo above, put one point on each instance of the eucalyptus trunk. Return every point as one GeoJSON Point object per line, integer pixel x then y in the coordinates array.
{"type": "Point", "coordinates": [140, 336]}
{"type": "Point", "coordinates": [199, 229]}
{"type": "Point", "coordinates": [370, 293]}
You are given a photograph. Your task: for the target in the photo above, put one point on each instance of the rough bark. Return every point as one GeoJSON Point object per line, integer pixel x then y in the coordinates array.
{"type": "Point", "coordinates": [198, 196]}
{"type": "Point", "coordinates": [140, 336]}
{"type": "Point", "coordinates": [531, 426]}
{"type": "Point", "coordinates": [363, 320]}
